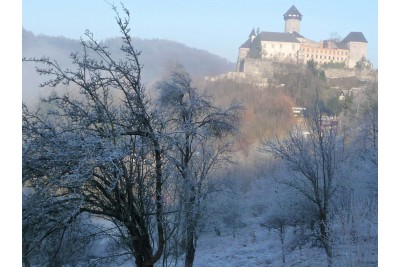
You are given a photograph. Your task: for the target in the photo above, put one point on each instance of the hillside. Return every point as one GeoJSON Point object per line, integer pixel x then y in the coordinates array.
{"type": "Point", "coordinates": [157, 56]}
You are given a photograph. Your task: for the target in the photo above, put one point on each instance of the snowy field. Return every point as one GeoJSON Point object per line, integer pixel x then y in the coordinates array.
{"type": "Point", "coordinates": [254, 245]}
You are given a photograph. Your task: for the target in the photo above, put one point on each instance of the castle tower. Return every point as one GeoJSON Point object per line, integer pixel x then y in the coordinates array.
{"type": "Point", "coordinates": [357, 45]}
{"type": "Point", "coordinates": [292, 19]}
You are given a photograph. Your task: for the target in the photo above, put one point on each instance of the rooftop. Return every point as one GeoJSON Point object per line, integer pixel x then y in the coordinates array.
{"type": "Point", "coordinates": [246, 44]}
{"type": "Point", "coordinates": [292, 13]}
{"type": "Point", "coordinates": [355, 37]}
{"type": "Point", "coordinates": [278, 37]}
{"type": "Point", "coordinates": [297, 35]}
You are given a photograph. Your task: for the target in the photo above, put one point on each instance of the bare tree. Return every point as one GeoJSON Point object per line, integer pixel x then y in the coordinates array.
{"type": "Point", "coordinates": [284, 212]}
{"type": "Point", "coordinates": [199, 134]}
{"type": "Point", "coordinates": [100, 151]}
{"type": "Point", "coordinates": [311, 154]}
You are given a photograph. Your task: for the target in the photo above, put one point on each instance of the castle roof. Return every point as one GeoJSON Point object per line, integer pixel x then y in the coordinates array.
{"type": "Point", "coordinates": [340, 45]}
{"type": "Point", "coordinates": [292, 13]}
{"type": "Point", "coordinates": [355, 37]}
{"type": "Point", "coordinates": [297, 35]}
{"type": "Point", "coordinates": [246, 44]}
{"type": "Point", "coordinates": [253, 33]}
{"type": "Point", "coordinates": [278, 37]}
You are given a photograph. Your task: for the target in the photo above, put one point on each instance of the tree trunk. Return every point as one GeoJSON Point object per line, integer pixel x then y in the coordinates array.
{"type": "Point", "coordinates": [282, 236]}
{"type": "Point", "coordinates": [140, 260]}
{"type": "Point", "coordinates": [26, 262]}
{"type": "Point", "coordinates": [145, 257]}
{"type": "Point", "coordinates": [190, 229]}
{"type": "Point", "coordinates": [143, 251]}
{"type": "Point", "coordinates": [328, 251]}
{"type": "Point", "coordinates": [25, 256]}
{"type": "Point", "coordinates": [190, 251]}
{"type": "Point", "coordinates": [326, 241]}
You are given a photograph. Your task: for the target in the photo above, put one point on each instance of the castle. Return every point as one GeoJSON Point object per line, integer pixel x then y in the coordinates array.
{"type": "Point", "coordinates": [291, 47]}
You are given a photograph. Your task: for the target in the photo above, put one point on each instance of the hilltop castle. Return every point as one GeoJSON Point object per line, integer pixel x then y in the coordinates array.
{"type": "Point", "coordinates": [291, 47]}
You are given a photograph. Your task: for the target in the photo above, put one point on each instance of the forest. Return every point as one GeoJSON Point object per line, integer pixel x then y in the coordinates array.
{"type": "Point", "coordinates": [127, 167]}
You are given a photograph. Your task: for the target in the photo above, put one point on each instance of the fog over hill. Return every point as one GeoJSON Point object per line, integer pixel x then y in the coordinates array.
{"type": "Point", "coordinates": [157, 57]}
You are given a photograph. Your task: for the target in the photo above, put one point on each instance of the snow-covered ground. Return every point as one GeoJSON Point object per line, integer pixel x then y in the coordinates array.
{"type": "Point", "coordinates": [252, 245]}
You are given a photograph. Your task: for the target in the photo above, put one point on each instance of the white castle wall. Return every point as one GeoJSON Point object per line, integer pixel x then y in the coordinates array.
{"type": "Point", "coordinates": [280, 51]}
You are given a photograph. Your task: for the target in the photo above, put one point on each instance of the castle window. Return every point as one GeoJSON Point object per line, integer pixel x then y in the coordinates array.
{"type": "Point", "coordinates": [320, 56]}
{"type": "Point", "coordinates": [307, 55]}
{"type": "Point", "coordinates": [280, 46]}
{"type": "Point", "coordinates": [272, 45]}
{"type": "Point", "coordinates": [333, 57]}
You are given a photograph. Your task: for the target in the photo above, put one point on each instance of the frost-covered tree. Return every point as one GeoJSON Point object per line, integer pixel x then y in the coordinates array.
{"type": "Point", "coordinates": [98, 149]}
{"type": "Point", "coordinates": [199, 145]}
{"type": "Point", "coordinates": [312, 155]}
{"type": "Point", "coordinates": [356, 199]}
{"type": "Point", "coordinates": [52, 237]}
{"type": "Point", "coordinates": [367, 117]}
{"type": "Point", "coordinates": [283, 213]}
{"type": "Point", "coordinates": [355, 213]}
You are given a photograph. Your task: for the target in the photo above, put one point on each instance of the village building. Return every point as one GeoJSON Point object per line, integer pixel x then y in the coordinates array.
{"type": "Point", "coordinates": [291, 47]}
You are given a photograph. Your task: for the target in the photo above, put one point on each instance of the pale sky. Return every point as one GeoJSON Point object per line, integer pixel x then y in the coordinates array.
{"type": "Point", "coordinates": [219, 26]}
